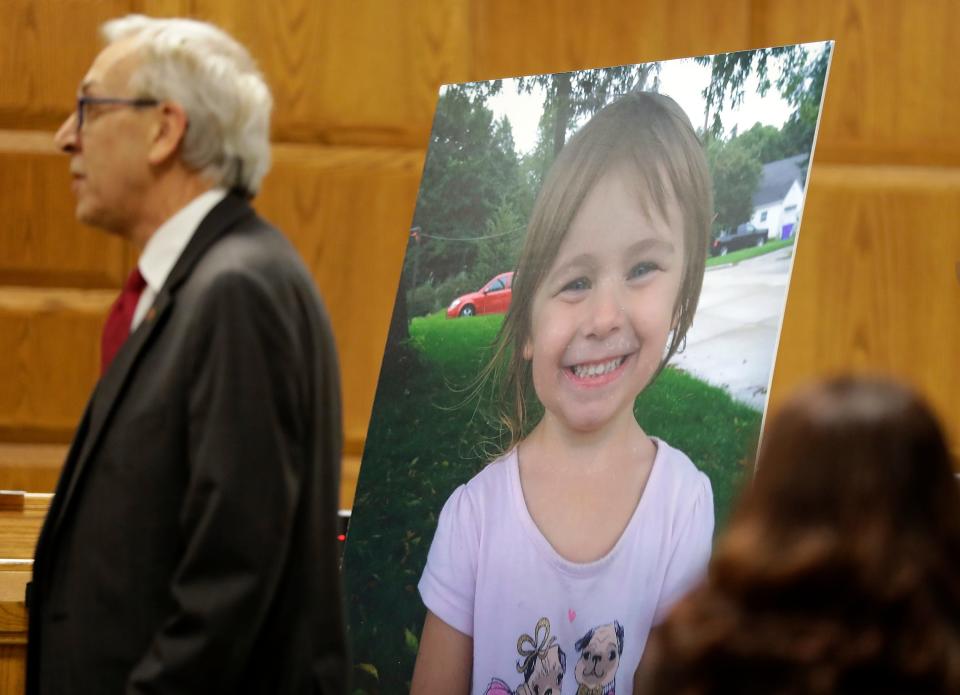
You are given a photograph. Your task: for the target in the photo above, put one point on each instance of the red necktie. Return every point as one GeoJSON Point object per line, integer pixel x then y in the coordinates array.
{"type": "Point", "coordinates": [117, 327]}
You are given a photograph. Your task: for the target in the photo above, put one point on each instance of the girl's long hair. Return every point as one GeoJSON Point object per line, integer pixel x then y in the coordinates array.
{"type": "Point", "coordinates": [840, 569]}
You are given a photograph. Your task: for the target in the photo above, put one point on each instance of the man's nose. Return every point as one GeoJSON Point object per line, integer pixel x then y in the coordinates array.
{"type": "Point", "coordinates": [66, 138]}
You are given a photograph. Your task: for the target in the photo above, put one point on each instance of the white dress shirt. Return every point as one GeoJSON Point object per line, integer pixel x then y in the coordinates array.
{"type": "Point", "coordinates": [163, 249]}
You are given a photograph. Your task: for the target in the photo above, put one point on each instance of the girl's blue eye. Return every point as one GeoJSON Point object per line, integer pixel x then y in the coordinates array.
{"type": "Point", "coordinates": [577, 285]}
{"type": "Point", "coordinates": [642, 269]}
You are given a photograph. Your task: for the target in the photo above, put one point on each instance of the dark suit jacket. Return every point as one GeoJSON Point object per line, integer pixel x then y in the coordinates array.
{"type": "Point", "coordinates": [191, 544]}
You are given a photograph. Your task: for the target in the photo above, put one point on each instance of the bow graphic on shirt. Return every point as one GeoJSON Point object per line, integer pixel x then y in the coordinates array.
{"type": "Point", "coordinates": [530, 648]}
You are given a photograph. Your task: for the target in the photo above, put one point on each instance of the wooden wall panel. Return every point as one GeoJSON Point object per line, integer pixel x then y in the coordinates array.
{"type": "Point", "coordinates": [348, 212]}
{"type": "Point", "coordinates": [21, 517]}
{"type": "Point", "coordinates": [345, 72]}
{"type": "Point", "coordinates": [49, 352]}
{"type": "Point", "coordinates": [515, 38]}
{"type": "Point", "coordinates": [31, 467]}
{"type": "Point", "coordinates": [13, 628]}
{"type": "Point", "coordinates": [20, 520]}
{"type": "Point", "coordinates": [874, 286]}
{"type": "Point", "coordinates": [45, 47]}
{"type": "Point", "coordinates": [40, 242]}
{"type": "Point", "coordinates": [893, 94]}
{"type": "Point", "coordinates": [342, 72]}
{"type": "Point", "coordinates": [13, 655]}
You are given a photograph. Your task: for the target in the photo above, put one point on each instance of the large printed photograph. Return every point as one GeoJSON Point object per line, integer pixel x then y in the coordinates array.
{"type": "Point", "coordinates": [500, 216]}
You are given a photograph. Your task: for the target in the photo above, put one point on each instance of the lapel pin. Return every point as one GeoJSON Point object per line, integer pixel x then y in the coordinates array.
{"type": "Point", "coordinates": [151, 314]}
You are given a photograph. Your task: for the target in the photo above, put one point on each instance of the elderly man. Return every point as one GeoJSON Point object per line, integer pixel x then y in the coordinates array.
{"type": "Point", "coordinates": [191, 544]}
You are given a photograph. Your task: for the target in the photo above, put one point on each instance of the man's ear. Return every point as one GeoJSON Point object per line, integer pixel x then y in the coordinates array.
{"type": "Point", "coordinates": [168, 132]}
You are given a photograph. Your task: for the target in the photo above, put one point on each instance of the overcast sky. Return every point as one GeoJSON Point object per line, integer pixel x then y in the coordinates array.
{"type": "Point", "coordinates": [681, 79]}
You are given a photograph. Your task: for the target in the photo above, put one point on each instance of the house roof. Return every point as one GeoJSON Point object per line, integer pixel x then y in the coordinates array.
{"type": "Point", "coordinates": [776, 179]}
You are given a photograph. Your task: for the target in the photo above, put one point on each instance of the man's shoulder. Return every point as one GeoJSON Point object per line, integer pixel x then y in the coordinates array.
{"type": "Point", "coordinates": [251, 254]}
{"type": "Point", "coordinates": [251, 276]}
{"type": "Point", "coordinates": [252, 244]}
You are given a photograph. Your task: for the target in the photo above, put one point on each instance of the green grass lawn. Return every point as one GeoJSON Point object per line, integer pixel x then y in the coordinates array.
{"type": "Point", "coordinates": [425, 439]}
{"type": "Point", "coordinates": [752, 252]}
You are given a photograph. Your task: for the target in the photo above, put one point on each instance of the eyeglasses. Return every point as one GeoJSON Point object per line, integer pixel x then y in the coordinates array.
{"type": "Point", "coordinates": [84, 101]}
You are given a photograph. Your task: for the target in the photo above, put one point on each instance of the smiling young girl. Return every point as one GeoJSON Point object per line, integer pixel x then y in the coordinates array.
{"type": "Point", "coordinates": [549, 568]}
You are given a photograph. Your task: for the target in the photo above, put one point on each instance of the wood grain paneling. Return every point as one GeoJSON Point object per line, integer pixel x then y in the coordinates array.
{"type": "Point", "coordinates": [40, 241]}
{"type": "Point", "coordinates": [45, 49]}
{"type": "Point", "coordinates": [349, 470]}
{"type": "Point", "coordinates": [348, 212]}
{"type": "Point", "coordinates": [340, 71]}
{"type": "Point", "coordinates": [874, 286]}
{"type": "Point", "coordinates": [31, 467]}
{"type": "Point", "coordinates": [345, 72]}
{"type": "Point", "coordinates": [13, 663]}
{"type": "Point", "coordinates": [517, 38]}
{"type": "Point", "coordinates": [19, 530]}
{"type": "Point", "coordinates": [893, 94]}
{"type": "Point", "coordinates": [49, 349]}
{"type": "Point", "coordinates": [13, 627]}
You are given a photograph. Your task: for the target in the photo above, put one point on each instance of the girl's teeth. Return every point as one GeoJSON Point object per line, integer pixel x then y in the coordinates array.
{"type": "Point", "coordinates": [595, 370]}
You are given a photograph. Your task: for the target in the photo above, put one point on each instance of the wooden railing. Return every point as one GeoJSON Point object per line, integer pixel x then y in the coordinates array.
{"type": "Point", "coordinates": [21, 515]}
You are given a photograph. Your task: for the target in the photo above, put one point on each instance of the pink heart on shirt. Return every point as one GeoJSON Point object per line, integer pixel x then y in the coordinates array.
{"type": "Point", "coordinates": [571, 615]}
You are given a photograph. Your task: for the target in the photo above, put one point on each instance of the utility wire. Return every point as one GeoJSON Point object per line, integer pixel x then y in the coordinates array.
{"type": "Point", "coordinates": [476, 238]}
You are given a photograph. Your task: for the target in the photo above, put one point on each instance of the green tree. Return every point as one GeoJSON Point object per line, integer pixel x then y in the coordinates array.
{"type": "Point", "coordinates": [471, 170]}
{"type": "Point", "coordinates": [571, 97]}
{"type": "Point", "coordinates": [729, 73]}
{"type": "Point", "coordinates": [536, 163]}
{"type": "Point", "coordinates": [766, 143]}
{"type": "Point", "coordinates": [736, 172]}
{"type": "Point", "coordinates": [501, 249]}
{"type": "Point", "coordinates": [803, 89]}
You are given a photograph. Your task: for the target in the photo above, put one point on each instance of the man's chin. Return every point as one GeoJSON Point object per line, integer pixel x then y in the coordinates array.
{"type": "Point", "coordinates": [84, 214]}
{"type": "Point", "coordinates": [93, 217]}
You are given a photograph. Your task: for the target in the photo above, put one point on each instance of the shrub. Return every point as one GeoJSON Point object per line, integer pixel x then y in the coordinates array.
{"type": "Point", "coordinates": [429, 298]}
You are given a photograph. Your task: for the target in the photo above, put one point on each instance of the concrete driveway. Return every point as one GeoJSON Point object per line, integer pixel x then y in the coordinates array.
{"type": "Point", "coordinates": [732, 341]}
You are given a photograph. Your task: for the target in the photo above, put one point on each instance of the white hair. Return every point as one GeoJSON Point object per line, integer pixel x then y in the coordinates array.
{"type": "Point", "coordinates": [216, 81]}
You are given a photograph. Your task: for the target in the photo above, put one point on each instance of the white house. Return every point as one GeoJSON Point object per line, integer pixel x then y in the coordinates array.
{"type": "Point", "coordinates": [779, 197]}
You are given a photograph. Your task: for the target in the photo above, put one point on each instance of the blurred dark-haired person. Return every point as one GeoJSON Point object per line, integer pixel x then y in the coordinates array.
{"type": "Point", "coordinates": [190, 546]}
{"type": "Point", "coordinates": [839, 571]}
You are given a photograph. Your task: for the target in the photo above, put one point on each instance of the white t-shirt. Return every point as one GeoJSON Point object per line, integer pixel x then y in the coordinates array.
{"type": "Point", "coordinates": [532, 614]}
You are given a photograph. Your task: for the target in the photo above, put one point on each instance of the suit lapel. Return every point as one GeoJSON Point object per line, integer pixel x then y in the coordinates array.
{"type": "Point", "coordinates": [110, 390]}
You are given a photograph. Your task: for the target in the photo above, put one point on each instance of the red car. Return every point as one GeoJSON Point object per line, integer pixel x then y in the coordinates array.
{"type": "Point", "coordinates": [492, 298]}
